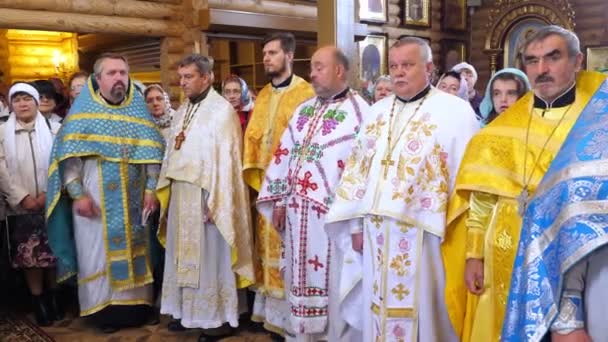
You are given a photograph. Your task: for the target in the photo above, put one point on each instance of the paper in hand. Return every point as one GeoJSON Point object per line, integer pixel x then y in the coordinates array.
{"type": "Point", "coordinates": [145, 215]}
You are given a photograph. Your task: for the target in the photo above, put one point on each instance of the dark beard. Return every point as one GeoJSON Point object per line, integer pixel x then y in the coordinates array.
{"type": "Point", "coordinates": [273, 74]}
{"type": "Point", "coordinates": [118, 93]}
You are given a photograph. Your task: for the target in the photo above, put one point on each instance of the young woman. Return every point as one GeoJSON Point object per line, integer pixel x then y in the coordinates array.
{"type": "Point", "coordinates": [26, 140]}
{"type": "Point", "coordinates": [503, 90]}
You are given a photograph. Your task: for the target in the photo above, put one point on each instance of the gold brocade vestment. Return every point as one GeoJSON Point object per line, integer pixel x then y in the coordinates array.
{"type": "Point", "coordinates": [493, 171]}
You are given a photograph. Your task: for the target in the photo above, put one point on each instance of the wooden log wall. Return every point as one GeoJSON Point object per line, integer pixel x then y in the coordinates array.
{"type": "Point", "coordinates": [591, 26]}
{"type": "Point", "coordinates": [174, 21]}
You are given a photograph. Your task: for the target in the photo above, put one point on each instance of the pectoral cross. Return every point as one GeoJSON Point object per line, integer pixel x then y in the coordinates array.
{"type": "Point", "coordinates": [522, 201]}
{"type": "Point", "coordinates": [179, 140]}
{"type": "Point", "coordinates": [386, 163]}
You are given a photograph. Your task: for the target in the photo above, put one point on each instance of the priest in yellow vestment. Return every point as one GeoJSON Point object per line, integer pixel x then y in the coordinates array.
{"type": "Point", "coordinates": [499, 174]}
{"type": "Point", "coordinates": [274, 106]}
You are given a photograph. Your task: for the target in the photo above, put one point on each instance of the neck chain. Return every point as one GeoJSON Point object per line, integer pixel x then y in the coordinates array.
{"type": "Point", "coordinates": [524, 197]}
{"type": "Point", "coordinates": [181, 137]}
{"type": "Point", "coordinates": [387, 161]}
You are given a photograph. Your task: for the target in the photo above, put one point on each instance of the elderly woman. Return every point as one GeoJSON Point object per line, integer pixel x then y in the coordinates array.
{"type": "Point", "coordinates": [49, 100]}
{"type": "Point", "coordinates": [25, 146]}
{"type": "Point", "coordinates": [383, 87]}
{"type": "Point", "coordinates": [235, 90]}
{"type": "Point", "coordinates": [159, 107]}
{"type": "Point", "coordinates": [503, 90]}
{"type": "Point", "coordinates": [452, 83]}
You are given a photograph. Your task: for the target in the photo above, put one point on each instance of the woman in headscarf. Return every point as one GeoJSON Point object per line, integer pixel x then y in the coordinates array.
{"type": "Point", "coordinates": [50, 100]}
{"type": "Point", "coordinates": [159, 106]}
{"type": "Point", "coordinates": [383, 87]}
{"type": "Point", "coordinates": [503, 90]}
{"type": "Point", "coordinates": [25, 146]}
{"type": "Point", "coordinates": [453, 83]}
{"type": "Point", "coordinates": [235, 90]}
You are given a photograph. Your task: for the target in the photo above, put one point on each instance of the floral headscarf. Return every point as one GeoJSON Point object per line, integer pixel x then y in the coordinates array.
{"type": "Point", "coordinates": [163, 121]}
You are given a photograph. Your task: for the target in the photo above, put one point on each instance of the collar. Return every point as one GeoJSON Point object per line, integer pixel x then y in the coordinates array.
{"type": "Point", "coordinates": [563, 100]}
{"type": "Point", "coordinates": [200, 97]}
{"type": "Point", "coordinates": [416, 97]}
{"type": "Point", "coordinates": [283, 84]}
{"type": "Point", "coordinates": [110, 102]}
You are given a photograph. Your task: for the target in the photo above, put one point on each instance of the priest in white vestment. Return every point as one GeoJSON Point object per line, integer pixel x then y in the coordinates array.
{"type": "Point", "coordinates": [299, 188]}
{"type": "Point", "coordinates": [208, 227]}
{"type": "Point", "coordinates": [392, 199]}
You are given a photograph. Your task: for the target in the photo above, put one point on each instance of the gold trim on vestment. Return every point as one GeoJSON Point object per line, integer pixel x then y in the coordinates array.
{"type": "Point", "coordinates": [103, 305]}
{"type": "Point", "coordinates": [395, 312]}
{"type": "Point", "coordinates": [112, 140]}
{"type": "Point", "coordinates": [112, 117]}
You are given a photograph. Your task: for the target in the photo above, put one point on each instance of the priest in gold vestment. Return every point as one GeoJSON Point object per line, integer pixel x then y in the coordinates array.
{"type": "Point", "coordinates": [500, 171]}
{"type": "Point", "coordinates": [208, 231]}
{"type": "Point", "coordinates": [274, 106]}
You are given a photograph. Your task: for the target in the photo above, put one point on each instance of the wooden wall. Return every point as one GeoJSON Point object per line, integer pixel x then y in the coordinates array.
{"type": "Point", "coordinates": [591, 26]}
{"type": "Point", "coordinates": [436, 33]}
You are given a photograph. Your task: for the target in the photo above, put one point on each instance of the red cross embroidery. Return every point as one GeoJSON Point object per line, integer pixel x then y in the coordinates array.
{"type": "Point", "coordinates": [306, 184]}
{"type": "Point", "coordinates": [294, 205]}
{"type": "Point", "coordinates": [315, 263]}
{"type": "Point", "coordinates": [278, 153]}
{"type": "Point", "coordinates": [319, 210]}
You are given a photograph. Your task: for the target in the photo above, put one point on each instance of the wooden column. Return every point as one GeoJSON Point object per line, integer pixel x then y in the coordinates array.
{"type": "Point", "coordinates": [336, 26]}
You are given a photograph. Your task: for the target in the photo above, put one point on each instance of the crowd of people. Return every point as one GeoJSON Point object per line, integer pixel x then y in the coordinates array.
{"type": "Point", "coordinates": [427, 213]}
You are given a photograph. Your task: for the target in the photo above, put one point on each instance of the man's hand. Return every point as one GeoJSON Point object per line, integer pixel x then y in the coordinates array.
{"type": "Point", "coordinates": [29, 203]}
{"type": "Point", "coordinates": [278, 218]}
{"type": "Point", "coordinates": [41, 200]}
{"type": "Point", "coordinates": [357, 240]}
{"type": "Point", "coordinates": [473, 276]}
{"type": "Point", "coordinates": [150, 202]}
{"type": "Point", "coordinates": [86, 207]}
{"type": "Point", "coordinates": [579, 335]}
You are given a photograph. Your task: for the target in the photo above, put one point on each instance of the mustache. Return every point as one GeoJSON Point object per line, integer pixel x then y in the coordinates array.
{"type": "Point", "coordinates": [119, 83]}
{"type": "Point", "coordinates": [544, 78]}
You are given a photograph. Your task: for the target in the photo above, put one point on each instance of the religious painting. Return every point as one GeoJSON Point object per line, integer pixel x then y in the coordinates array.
{"type": "Point", "coordinates": [417, 12]}
{"type": "Point", "coordinates": [372, 10]}
{"type": "Point", "coordinates": [597, 59]}
{"type": "Point", "coordinates": [515, 40]}
{"type": "Point", "coordinates": [452, 53]}
{"type": "Point", "coordinates": [372, 61]}
{"type": "Point", "coordinates": [454, 15]}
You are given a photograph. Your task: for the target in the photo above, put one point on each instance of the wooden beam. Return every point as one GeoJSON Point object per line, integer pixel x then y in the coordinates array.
{"type": "Point", "coordinates": [284, 8]}
{"type": "Point", "coordinates": [217, 19]}
{"type": "Point", "coordinates": [99, 41]}
{"type": "Point", "coordinates": [123, 8]}
{"type": "Point", "coordinates": [87, 23]}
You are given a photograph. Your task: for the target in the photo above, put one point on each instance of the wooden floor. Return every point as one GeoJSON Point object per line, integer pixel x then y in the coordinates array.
{"type": "Point", "coordinates": [78, 330]}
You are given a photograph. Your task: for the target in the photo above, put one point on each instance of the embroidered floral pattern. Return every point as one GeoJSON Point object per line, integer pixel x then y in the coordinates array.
{"type": "Point", "coordinates": [277, 186]}
{"type": "Point", "coordinates": [400, 291]}
{"type": "Point", "coordinates": [400, 264]}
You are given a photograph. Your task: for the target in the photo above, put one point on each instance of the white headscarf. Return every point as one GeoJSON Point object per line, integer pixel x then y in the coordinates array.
{"type": "Point", "coordinates": [464, 65]}
{"type": "Point", "coordinates": [44, 137]}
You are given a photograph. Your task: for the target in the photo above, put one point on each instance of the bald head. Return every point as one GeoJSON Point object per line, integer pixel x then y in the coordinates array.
{"type": "Point", "coordinates": [328, 71]}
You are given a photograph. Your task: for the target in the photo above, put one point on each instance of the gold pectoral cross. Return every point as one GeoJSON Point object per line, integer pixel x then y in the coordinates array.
{"type": "Point", "coordinates": [386, 163]}
{"type": "Point", "coordinates": [179, 140]}
{"type": "Point", "coordinates": [522, 201]}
